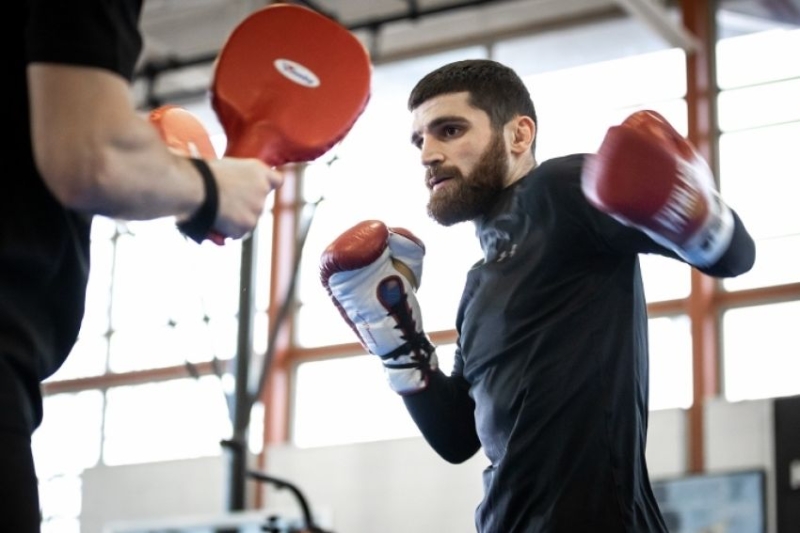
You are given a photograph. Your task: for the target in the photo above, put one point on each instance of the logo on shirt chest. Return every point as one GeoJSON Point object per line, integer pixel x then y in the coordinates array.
{"type": "Point", "coordinates": [500, 242]}
{"type": "Point", "coordinates": [506, 254]}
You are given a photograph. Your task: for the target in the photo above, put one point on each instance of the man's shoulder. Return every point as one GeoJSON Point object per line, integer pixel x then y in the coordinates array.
{"type": "Point", "coordinates": [566, 164]}
{"type": "Point", "coordinates": [558, 172]}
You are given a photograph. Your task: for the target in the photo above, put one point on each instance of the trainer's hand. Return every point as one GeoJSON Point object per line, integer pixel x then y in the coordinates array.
{"type": "Point", "coordinates": [243, 186]}
{"type": "Point", "coordinates": [646, 175]}
{"type": "Point", "coordinates": [368, 273]}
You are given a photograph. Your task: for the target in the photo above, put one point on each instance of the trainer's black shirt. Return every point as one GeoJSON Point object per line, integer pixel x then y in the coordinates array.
{"type": "Point", "coordinates": [551, 365]}
{"type": "Point", "coordinates": [44, 247]}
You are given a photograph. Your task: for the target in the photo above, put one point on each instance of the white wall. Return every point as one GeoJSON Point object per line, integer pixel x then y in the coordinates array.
{"type": "Point", "coordinates": [740, 436]}
{"type": "Point", "coordinates": [393, 486]}
{"type": "Point", "coordinates": [149, 491]}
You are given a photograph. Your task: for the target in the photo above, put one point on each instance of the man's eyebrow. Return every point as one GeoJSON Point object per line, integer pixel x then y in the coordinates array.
{"type": "Point", "coordinates": [435, 123]}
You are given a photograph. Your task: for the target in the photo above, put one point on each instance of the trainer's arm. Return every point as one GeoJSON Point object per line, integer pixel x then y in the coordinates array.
{"type": "Point", "coordinates": [98, 155]}
{"type": "Point", "coordinates": [445, 414]}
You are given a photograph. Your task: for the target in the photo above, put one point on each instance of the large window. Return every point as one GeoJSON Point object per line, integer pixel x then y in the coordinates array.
{"type": "Point", "coordinates": [762, 351]}
{"type": "Point", "coordinates": [578, 94]}
{"type": "Point", "coordinates": [759, 119]}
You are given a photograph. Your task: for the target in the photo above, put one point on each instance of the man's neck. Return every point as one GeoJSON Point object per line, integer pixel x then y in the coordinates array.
{"type": "Point", "coordinates": [520, 168]}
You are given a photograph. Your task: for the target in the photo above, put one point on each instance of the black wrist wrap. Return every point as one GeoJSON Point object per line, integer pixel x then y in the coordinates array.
{"type": "Point", "coordinates": [199, 225]}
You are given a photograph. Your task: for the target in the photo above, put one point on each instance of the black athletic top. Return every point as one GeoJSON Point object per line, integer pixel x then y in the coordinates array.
{"type": "Point", "coordinates": [551, 369]}
{"type": "Point", "coordinates": [44, 248]}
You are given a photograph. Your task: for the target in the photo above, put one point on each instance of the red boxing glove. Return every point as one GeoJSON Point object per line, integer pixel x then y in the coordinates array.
{"type": "Point", "coordinates": [646, 175]}
{"type": "Point", "coordinates": [371, 273]}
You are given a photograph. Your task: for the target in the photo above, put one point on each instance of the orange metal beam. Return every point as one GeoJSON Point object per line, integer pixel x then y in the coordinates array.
{"type": "Point", "coordinates": [275, 395]}
{"type": "Point", "coordinates": [699, 19]}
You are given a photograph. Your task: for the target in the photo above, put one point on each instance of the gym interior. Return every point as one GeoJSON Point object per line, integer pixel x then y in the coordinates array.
{"type": "Point", "coordinates": [216, 388]}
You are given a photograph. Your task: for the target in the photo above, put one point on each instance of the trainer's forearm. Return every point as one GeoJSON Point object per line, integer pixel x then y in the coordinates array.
{"type": "Point", "coordinates": [97, 154]}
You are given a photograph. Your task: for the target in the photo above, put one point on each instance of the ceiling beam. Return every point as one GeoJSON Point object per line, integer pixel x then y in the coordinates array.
{"type": "Point", "coordinates": [655, 15]}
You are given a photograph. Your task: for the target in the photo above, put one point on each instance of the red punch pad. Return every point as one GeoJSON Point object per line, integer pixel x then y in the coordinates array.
{"type": "Point", "coordinates": [289, 83]}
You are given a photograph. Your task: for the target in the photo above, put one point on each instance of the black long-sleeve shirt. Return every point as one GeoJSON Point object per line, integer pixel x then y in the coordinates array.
{"type": "Point", "coordinates": [551, 370]}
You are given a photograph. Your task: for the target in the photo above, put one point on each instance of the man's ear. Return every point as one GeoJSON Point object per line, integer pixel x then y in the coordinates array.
{"type": "Point", "coordinates": [522, 133]}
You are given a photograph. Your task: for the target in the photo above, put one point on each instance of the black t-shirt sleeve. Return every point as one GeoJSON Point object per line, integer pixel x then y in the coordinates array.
{"type": "Point", "coordinates": [579, 221]}
{"type": "Point", "coordinates": [445, 414]}
{"type": "Point", "coordinates": [97, 33]}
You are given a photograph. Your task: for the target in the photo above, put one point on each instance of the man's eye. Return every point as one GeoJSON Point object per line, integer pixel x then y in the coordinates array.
{"type": "Point", "coordinates": [451, 131]}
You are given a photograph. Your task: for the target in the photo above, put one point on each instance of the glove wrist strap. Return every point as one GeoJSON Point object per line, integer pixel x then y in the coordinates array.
{"type": "Point", "coordinates": [198, 226]}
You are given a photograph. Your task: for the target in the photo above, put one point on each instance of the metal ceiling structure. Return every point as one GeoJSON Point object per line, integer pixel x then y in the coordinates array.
{"type": "Point", "coordinates": [183, 37]}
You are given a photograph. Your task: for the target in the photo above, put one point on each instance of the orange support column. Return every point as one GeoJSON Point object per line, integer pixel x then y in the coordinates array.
{"type": "Point", "coordinates": [275, 395]}
{"type": "Point", "coordinates": [701, 97]}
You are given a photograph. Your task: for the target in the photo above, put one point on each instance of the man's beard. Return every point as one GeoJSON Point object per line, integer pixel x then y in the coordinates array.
{"type": "Point", "coordinates": [466, 198]}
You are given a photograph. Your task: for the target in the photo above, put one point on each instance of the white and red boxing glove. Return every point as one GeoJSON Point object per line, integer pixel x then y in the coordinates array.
{"type": "Point", "coordinates": [371, 272]}
{"type": "Point", "coordinates": [646, 175]}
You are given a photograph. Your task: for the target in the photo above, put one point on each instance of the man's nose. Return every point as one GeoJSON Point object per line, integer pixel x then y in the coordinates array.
{"type": "Point", "coordinates": [430, 152]}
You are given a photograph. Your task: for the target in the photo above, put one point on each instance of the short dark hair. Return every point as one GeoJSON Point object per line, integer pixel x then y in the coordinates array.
{"type": "Point", "coordinates": [493, 88]}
